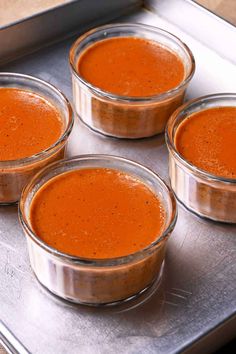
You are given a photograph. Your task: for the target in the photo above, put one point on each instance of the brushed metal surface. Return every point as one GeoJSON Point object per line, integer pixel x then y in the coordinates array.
{"type": "Point", "coordinates": [197, 293]}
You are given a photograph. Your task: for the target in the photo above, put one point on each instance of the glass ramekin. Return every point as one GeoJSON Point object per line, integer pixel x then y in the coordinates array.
{"type": "Point", "coordinates": [205, 194]}
{"type": "Point", "coordinates": [97, 281]}
{"type": "Point", "coordinates": [123, 116]}
{"type": "Point", "coordinates": [14, 174]}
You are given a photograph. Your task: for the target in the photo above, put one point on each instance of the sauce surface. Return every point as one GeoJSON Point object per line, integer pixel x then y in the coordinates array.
{"type": "Point", "coordinates": [131, 66]}
{"type": "Point", "coordinates": [207, 139]}
{"type": "Point", "coordinates": [28, 124]}
{"type": "Point", "coordinates": [96, 213]}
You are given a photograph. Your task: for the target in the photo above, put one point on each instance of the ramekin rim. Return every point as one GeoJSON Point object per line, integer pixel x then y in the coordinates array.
{"type": "Point", "coordinates": [132, 99]}
{"type": "Point", "coordinates": [99, 262]}
{"type": "Point", "coordinates": [174, 151]}
{"type": "Point", "coordinates": [17, 163]}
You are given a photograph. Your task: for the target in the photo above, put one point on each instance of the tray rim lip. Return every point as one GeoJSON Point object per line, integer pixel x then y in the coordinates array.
{"type": "Point", "coordinates": [37, 14]}
{"type": "Point", "coordinates": [204, 335]}
{"type": "Point", "coordinates": [7, 344]}
{"type": "Point", "coordinates": [184, 349]}
{"type": "Point", "coordinates": [211, 12]}
{"type": "Point", "coordinates": [149, 6]}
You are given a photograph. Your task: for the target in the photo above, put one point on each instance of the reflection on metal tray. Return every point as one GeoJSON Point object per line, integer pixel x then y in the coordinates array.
{"type": "Point", "coordinates": [195, 307]}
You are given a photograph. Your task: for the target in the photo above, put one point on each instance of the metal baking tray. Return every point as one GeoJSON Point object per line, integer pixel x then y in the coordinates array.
{"type": "Point", "coordinates": [194, 310]}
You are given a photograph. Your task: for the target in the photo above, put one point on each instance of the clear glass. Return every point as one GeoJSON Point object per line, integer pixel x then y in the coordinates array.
{"type": "Point", "coordinates": [97, 281]}
{"type": "Point", "coordinates": [207, 195]}
{"type": "Point", "coordinates": [14, 174]}
{"type": "Point", "coordinates": [122, 116]}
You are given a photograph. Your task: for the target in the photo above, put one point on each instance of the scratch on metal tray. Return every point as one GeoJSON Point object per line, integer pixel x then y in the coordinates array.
{"type": "Point", "coordinates": [183, 291]}
{"type": "Point", "coordinates": [10, 269]}
{"type": "Point", "coordinates": [4, 244]}
{"type": "Point", "coordinates": [163, 302]}
{"type": "Point", "coordinates": [177, 295]}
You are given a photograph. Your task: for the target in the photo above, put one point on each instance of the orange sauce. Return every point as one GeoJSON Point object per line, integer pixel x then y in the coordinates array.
{"type": "Point", "coordinates": [131, 66]}
{"type": "Point", "coordinates": [96, 213]}
{"type": "Point", "coordinates": [207, 139]}
{"type": "Point", "coordinates": [29, 124]}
